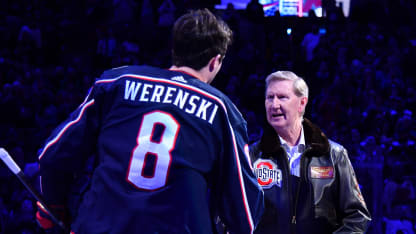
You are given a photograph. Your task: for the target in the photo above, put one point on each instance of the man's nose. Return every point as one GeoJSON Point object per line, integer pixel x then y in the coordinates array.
{"type": "Point", "coordinates": [275, 102]}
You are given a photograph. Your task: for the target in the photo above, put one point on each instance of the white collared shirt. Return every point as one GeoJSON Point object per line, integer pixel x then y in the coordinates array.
{"type": "Point", "coordinates": [294, 153]}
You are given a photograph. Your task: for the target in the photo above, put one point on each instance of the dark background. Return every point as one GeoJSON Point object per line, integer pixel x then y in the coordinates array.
{"type": "Point", "coordinates": [360, 73]}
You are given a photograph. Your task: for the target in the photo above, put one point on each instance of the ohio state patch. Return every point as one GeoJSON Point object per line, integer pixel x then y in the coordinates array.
{"type": "Point", "coordinates": [267, 173]}
{"type": "Point", "coordinates": [322, 172]}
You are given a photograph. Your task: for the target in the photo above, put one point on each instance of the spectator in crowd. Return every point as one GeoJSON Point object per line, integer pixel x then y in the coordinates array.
{"type": "Point", "coordinates": [309, 42]}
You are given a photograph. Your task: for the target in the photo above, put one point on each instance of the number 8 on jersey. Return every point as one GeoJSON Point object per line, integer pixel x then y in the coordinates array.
{"type": "Point", "coordinates": [161, 150]}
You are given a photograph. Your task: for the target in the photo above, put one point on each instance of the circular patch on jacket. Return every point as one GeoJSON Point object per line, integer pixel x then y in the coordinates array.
{"type": "Point", "coordinates": [267, 173]}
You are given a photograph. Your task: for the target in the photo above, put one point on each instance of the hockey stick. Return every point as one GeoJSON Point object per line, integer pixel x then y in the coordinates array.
{"type": "Point", "coordinates": [11, 164]}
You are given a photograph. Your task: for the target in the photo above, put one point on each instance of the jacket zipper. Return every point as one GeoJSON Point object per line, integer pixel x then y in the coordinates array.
{"type": "Point", "coordinates": [289, 191]}
{"type": "Point", "coordinates": [302, 173]}
{"type": "Point", "coordinates": [296, 203]}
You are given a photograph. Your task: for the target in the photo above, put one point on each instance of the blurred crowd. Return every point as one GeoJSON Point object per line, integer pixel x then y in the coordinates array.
{"type": "Point", "coordinates": [359, 70]}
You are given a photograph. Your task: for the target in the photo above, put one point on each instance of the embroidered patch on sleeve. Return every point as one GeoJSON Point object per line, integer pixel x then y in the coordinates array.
{"type": "Point", "coordinates": [322, 172]}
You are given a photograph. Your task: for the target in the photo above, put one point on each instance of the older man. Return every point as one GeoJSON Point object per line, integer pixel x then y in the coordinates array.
{"type": "Point", "coordinates": [308, 181]}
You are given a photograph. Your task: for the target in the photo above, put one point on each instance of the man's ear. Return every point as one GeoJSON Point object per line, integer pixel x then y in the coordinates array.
{"type": "Point", "coordinates": [303, 102]}
{"type": "Point", "coordinates": [214, 62]}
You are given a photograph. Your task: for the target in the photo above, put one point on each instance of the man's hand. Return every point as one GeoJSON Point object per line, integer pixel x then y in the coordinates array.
{"type": "Point", "coordinates": [45, 221]}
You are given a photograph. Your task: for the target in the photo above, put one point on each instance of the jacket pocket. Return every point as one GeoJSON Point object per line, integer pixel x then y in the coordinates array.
{"type": "Point", "coordinates": [325, 212]}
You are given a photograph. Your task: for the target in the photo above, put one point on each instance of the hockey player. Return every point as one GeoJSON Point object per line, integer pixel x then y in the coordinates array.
{"type": "Point", "coordinates": [171, 150]}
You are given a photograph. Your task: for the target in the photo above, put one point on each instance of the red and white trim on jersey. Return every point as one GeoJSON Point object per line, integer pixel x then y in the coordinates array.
{"type": "Point", "coordinates": [86, 98]}
{"type": "Point", "coordinates": [58, 136]}
{"type": "Point", "coordinates": [240, 176]}
{"type": "Point", "coordinates": [247, 153]}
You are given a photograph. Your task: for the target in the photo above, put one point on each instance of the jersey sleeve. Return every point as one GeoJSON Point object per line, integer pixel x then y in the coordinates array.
{"type": "Point", "coordinates": [67, 149]}
{"type": "Point", "coordinates": [242, 200]}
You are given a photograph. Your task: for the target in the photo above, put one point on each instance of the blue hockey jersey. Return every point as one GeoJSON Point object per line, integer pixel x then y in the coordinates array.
{"type": "Point", "coordinates": [172, 155]}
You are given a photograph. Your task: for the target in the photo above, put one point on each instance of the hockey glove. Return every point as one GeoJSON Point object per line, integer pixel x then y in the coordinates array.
{"type": "Point", "coordinates": [44, 219]}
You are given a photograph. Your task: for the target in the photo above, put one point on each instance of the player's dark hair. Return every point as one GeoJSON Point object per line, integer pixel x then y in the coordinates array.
{"type": "Point", "coordinates": [197, 37]}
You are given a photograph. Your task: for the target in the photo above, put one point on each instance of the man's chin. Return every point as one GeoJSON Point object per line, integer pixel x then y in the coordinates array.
{"type": "Point", "coordinates": [276, 124]}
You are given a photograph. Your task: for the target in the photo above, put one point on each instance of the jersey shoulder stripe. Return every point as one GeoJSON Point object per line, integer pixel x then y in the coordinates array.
{"type": "Point", "coordinates": [65, 128]}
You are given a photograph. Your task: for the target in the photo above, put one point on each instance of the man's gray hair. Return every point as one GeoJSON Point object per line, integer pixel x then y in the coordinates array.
{"type": "Point", "coordinates": [300, 88]}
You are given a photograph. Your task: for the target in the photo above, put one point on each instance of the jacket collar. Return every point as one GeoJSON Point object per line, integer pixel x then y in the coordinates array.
{"type": "Point", "coordinates": [315, 139]}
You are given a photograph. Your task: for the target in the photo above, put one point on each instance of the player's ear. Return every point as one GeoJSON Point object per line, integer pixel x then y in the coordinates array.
{"type": "Point", "coordinates": [215, 62]}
